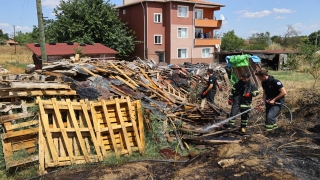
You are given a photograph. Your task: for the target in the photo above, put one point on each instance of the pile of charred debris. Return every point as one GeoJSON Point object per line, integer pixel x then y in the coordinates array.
{"type": "Point", "coordinates": [169, 92]}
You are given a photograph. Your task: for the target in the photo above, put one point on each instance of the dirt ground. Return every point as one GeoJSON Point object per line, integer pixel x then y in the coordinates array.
{"type": "Point", "coordinates": [290, 152]}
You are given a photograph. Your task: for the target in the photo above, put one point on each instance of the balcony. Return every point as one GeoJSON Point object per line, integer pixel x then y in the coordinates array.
{"type": "Point", "coordinates": [207, 23]}
{"type": "Point", "coordinates": [207, 42]}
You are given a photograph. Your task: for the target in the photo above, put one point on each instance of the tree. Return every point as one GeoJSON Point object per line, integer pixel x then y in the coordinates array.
{"type": "Point", "coordinates": [230, 41]}
{"type": "Point", "coordinates": [314, 38]}
{"type": "Point", "coordinates": [3, 37]}
{"type": "Point", "coordinates": [259, 41]}
{"type": "Point", "coordinates": [291, 37]}
{"type": "Point", "coordinates": [312, 59]}
{"type": "Point", "coordinates": [28, 37]}
{"type": "Point", "coordinates": [85, 21]}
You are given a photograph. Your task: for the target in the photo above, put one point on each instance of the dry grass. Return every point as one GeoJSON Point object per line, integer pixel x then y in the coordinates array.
{"type": "Point", "coordinates": [295, 83]}
{"type": "Point", "coordinates": [14, 59]}
{"type": "Point", "coordinates": [274, 46]}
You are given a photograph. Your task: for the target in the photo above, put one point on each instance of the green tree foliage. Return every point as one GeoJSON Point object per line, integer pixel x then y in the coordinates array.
{"type": "Point", "coordinates": [293, 62]}
{"type": "Point", "coordinates": [313, 37]}
{"type": "Point", "coordinates": [230, 41]}
{"type": "Point", "coordinates": [259, 41]}
{"type": "Point", "coordinates": [3, 37]}
{"type": "Point", "coordinates": [312, 59]}
{"type": "Point", "coordinates": [88, 21]}
{"type": "Point", "coordinates": [28, 37]}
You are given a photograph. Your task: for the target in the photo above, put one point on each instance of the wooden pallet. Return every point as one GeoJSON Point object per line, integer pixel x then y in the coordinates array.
{"type": "Point", "coordinates": [87, 131]}
{"type": "Point", "coordinates": [20, 139]}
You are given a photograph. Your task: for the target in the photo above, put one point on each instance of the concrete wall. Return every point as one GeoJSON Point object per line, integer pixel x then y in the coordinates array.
{"type": "Point", "coordinates": [134, 20]}
{"type": "Point", "coordinates": [156, 28]}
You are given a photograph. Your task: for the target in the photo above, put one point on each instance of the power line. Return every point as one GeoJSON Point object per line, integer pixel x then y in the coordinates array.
{"type": "Point", "coordinates": [23, 5]}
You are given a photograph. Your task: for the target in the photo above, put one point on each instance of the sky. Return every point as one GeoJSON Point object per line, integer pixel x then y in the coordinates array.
{"type": "Point", "coordinates": [245, 17]}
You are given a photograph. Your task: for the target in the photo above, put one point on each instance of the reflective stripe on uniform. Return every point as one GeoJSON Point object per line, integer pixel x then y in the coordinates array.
{"type": "Point", "coordinates": [255, 93]}
{"type": "Point", "coordinates": [268, 127]}
{"type": "Point", "coordinates": [244, 122]}
{"type": "Point", "coordinates": [275, 126]}
{"type": "Point", "coordinates": [231, 122]}
{"type": "Point", "coordinates": [245, 106]}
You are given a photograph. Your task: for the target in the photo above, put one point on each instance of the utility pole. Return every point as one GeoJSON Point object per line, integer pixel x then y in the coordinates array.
{"type": "Point", "coordinates": [14, 39]}
{"type": "Point", "coordinates": [41, 31]}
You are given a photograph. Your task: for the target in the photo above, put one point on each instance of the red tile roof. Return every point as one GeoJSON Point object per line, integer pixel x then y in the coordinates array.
{"type": "Point", "coordinates": [202, 2]}
{"type": "Point", "coordinates": [65, 49]}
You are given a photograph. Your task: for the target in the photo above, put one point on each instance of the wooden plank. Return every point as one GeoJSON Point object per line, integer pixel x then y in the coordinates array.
{"type": "Point", "coordinates": [45, 123]}
{"type": "Point", "coordinates": [89, 72]}
{"type": "Point", "coordinates": [114, 66]}
{"type": "Point", "coordinates": [140, 123]}
{"type": "Point", "coordinates": [134, 124]}
{"type": "Point", "coordinates": [79, 136]}
{"type": "Point", "coordinates": [153, 85]}
{"type": "Point", "coordinates": [11, 117]}
{"type": "Point", "coordinates": [93, 137]}
{"type": "Point", "coordinates": [96, 125]}
{"type": "Point", "coordinates": [55, 139]}
{"type": "Point", "coordinates": [21, 125]}
{"type": "Point", "coordinates": [21, 162]}
{"type": "Point", "coordinates": [126, 82]}
{"type": "Point", "coordinates": [44, 92]}
{"type": "Point", "coordinates": [155, 92]}
{"type": "Point", "coordinates": [40, 85]}
{"type": "Point", "coordinates": [20, 133]}
{"type": "Point", "coordinates": [42, 145]}
{"type": "Point", "coordinates": [124, 130]}
{"type": "Point", "coordinates": [24, 145]}
{"type": "Point", "coordinates": [65, 138]}
{"type": "Point", "coordinates": [106, 115]}
{"type": "Point", "coordinates": [76, 105]}
{"type": "Point", "coordinates": [7, 149]}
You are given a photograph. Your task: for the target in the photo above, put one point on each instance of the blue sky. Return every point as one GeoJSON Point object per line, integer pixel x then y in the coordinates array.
{"type": "Point", "coordinates": [243, 16]}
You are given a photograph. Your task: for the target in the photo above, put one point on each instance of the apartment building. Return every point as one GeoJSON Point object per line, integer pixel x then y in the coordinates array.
{"type": "Point", "coordinates": [173, 31]}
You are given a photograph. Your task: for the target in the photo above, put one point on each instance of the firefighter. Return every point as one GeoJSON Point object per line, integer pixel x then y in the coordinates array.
{"type": "Point", "coordinates": [241, 99]}
{"type": "Point", "coordinates": [210, 91]}
{"type": "Point", "coordinates": [273, 97]}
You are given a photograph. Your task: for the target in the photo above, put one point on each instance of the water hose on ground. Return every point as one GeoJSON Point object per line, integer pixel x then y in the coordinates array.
{"type": "Point", "coordinates": [287, 109]}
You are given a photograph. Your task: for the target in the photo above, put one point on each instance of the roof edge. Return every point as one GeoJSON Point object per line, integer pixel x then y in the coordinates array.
{"type": "Point", "coordinates": [164, 1]}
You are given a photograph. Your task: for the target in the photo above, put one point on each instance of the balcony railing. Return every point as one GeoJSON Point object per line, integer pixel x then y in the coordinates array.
{"type": "Point", "coordinates": [207, 42]}
{"type": "Point", "coordinates": [207, 23]}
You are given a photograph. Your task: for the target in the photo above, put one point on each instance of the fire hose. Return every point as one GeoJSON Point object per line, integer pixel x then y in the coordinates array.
{"type": "Point", "coordinates": [287, 109]}
{"type": "Point", "coordinates": [219, 124]}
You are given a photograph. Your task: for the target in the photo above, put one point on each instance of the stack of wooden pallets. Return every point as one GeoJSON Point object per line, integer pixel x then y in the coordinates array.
{"type": "Point", "coordinates": [68, 132]}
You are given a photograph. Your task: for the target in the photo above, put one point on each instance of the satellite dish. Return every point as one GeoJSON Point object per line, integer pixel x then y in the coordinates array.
{"type": "Point", "coordinates": [222, 17]}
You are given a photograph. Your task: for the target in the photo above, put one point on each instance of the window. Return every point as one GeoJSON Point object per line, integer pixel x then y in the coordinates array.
{"type": "Point", "coordinates": [117, 13]}
{"type": "Point", "coordinates": [183, 53]}
{"type": "Point", "coordinates": [183, 11]}
{"type": "Point", "coordinates": [157, 39]}
{"type": "Point", "coordinates": [157, 18]}
{"type": "Point", "coordinates": [182, 32]}
{"type": "Point", "coordinates": [124, 11]}
{"type": "Point", "coordinates": [198, 14]}
{"type": "Point", "coordinates": [206, 52]}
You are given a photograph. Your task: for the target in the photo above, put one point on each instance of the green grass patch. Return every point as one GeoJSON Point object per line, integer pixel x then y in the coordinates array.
{"type": "Point", "coordinates": [16, 64]}
{"type": "Point", "coordinates": [291, 76]}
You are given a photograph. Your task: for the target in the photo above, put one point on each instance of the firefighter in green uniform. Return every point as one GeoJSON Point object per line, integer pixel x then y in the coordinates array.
{"type": "Point", "coordinates": [241, 99]}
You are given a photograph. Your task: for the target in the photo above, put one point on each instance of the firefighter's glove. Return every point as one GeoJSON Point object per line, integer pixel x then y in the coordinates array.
{"type": "Point", "coordinates": [204, 93]}
{"type": "Point", "coordinates": [229, 101]}
{"type": "Point", "coordinates": [247, 95]}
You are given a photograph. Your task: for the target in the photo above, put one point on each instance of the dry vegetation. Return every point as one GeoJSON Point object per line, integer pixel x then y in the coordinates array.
{"type": "Point", "coordinates": [15, 60]}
